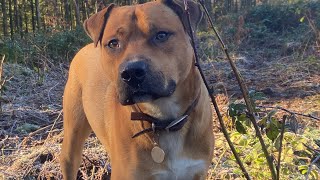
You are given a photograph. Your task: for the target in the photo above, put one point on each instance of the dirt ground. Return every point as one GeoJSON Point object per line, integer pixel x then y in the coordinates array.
{"type": "Point", "coordinates": [31, 110]}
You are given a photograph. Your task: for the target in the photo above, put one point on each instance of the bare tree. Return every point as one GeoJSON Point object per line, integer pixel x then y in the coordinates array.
{"type": "Point", "coordinates": [32, 16]}
{"type": "Point", "coordinates": [20, 24]}
{"type": "Point", "coordinates": [38, 16]}
{"type": "Point", "coordinates": [4, 18]}
{"type": "Point", "coordinates": [16, 15]}
{"type": "Point", "coordinates": [10, 19]}
{"type": "Point", "coordinates": [67, 13]}
{"type": "Point", "coordinates": [85, 10]}
{"type": "Point", "coordinates": [77, 13]}
{"type": "Point", "coordinates": [25, 17]}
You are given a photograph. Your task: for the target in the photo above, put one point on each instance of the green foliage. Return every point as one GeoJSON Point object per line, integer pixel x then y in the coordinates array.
{"type": "Point", "coordinates": [44, 48]}
{"type": "Point", "coordinates": [294, 161]}
{"type": "Point", "coordinates": [283, 17]}
{"type": "Point", "coordinates": [66, 43]}
{"type": "Point", "coordinates": [296, 156]}
{"type": "Point", "coordinates": [271, 27]}
{"type": "Point", "coordinates": [11, 49]}
{"type": "Point", "coordinates": [274, 18]}
{"type": "Point", "coordinates": [27, 128]}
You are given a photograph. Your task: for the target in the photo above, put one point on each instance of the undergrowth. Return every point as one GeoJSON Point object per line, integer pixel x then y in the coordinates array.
{"type": "Point", "coordinates": [270, 30]}
{"type": "Point", "coordinates": [265, 33]}
{"type": "Point", "coordinates": [44, 48]}
{"type": "Point", "coordinates": [300, 144]}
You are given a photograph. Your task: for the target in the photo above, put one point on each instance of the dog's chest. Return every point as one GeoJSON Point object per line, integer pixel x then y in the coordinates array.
{"type": "Point", "coordinates": [181, 168]}
{"type": "Point", "coordinates": [178, 166]}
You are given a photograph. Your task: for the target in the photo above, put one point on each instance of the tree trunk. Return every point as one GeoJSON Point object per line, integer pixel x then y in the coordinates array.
{"type": "Point", "coordinates": [16, 16]}
{"type": "Point", "coordinates": [38, 16]}
{"type": "Point", "coordinates": [56, 23]}
{"type": "Point", "coordinates": [25, 16]}
{"type": "Point", "coordinates": [32, 16]}
{"type": "Point", "coordinates": [4, 18]}
{"type": "Point", "coordinates": [203, 25]}
{"type": "Point", "coordinates": [20, 22]}
{"type": "Point", "coordinates": [85, 10]}
{"type": "Point", "coordinates": [71, 16]}
{"type": "Point", "coordinates": [44, 22]}
{"type": "Point", "coordinates": [66, 13]}
{"type": "Point", "coordinates": [10, 19]}
{"type": "Point", "coordinates": [96, 6]}
{"type": "Point", "coordinates": [77, 13]}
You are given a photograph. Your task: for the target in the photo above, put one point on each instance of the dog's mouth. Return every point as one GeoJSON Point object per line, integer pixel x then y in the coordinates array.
{"type": "Point", "coordinates": [141, 96]}
{"type": "Point", "coordinates": [138, 97]}
{"type": "Point", "coordinates": [129, 96]}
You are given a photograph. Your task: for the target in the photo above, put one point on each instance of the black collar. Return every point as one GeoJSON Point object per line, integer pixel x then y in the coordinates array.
{"type": "Point", "coordinates": [160, 125]}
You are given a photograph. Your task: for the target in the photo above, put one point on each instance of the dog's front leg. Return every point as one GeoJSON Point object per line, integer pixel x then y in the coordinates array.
{"type": "Point", "coordinates": [76, 130]}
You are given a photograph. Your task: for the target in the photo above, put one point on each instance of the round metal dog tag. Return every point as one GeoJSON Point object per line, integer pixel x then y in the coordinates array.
{"type": "Point", "coordinates": [157, 154]}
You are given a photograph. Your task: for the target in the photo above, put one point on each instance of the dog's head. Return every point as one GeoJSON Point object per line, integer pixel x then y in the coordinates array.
{"type": "Point", "coordinates": [145, 49]}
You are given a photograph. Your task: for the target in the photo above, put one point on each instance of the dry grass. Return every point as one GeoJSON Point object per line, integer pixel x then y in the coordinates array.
{"type": "Point", "coordinates": [31, 128]}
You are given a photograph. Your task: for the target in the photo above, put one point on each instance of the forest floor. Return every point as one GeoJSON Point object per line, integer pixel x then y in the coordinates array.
{"type": "Point", "coordinates": [31, 111]}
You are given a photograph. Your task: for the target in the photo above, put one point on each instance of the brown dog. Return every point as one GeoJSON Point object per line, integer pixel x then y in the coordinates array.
{"type": "Point", "coordinates": [139, 74]}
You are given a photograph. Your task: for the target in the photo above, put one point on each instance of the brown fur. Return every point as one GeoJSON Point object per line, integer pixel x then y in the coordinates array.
{"type": "Point", "coordinates": [91, 102]}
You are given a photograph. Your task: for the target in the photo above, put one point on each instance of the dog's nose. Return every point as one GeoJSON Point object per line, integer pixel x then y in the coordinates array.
{"type": "Point", "coordinates": [133, 73]}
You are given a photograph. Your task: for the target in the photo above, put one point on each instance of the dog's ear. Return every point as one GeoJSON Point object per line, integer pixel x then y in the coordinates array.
{"type": "Point", "coordinates": [94, 26]}
{"type": "Point", "coordinates": [196, 13]}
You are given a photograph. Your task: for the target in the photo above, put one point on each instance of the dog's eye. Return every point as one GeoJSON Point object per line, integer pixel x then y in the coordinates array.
{"type": "Point", "coordinates": [114, 43]}
{"type": "Point", "coordinates": [161, 36]}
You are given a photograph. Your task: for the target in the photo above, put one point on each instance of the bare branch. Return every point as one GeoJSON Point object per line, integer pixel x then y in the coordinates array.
{"type": "Point", "coordinates": [245, 94]}
{"type": "Point", "coordinates": [223, 128]}
{"type": "Point", "coordinates": [280, 150]}
{"type": "Point", "coordinates": [310, 166]}
{"type": "Point", "coordinates": [317, 151]}
{"type": "Point", "coordinates": [290, 112]}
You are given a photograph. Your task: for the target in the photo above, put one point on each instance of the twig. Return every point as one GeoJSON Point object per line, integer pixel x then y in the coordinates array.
{"type": "Point", "coordinates": [222, 154]}
{"type": "Point", "coordinates": [37, 117]}
{"type": "Point", "coordinates": [43, 128]}
{"type": "Point", "coordinates": [55, 121]}
{"type": "Point", "coordinates": [223, 128]}
{"type": "Point", "coordinates": [245, 94]}
{"type": "Point", "coordinates": [13, 126]}
{"type": "Point", "coordinates": [1, 66]}
{"type": "Point", "coordinates": [48, 126]}
{"type": "Point", "coordinates": [310, 166]}
{"type": "Point", "coordinates": [28, 169]}
{"type": "Point", "coordinates": [50, 91]}
{"type": "Point", "coordinates": [290, 112]}
{"type": "Point", "coordinates": [280, 150]}
{"type": "Point", "coordinates": [312, 149]}
{"type": "Point", "coordinates": [91, 162]}
{"type": "Point", "coordinates": [1, 81]}
{"type": "Point", "coordinates": [93, 171]}
{"type": "Point", "coordinates": [244, 91]}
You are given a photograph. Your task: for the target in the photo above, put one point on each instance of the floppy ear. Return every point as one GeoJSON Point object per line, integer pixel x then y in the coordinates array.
{"type": "Point", "coordinates": [94, 26]}
{"type": "Point", "coordinates": [196, 13]}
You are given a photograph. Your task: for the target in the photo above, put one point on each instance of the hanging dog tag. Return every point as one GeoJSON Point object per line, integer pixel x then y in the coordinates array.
{"type": "Point", "coordinates": [157, 154]}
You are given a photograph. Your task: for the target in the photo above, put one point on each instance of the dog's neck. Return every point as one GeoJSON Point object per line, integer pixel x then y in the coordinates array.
{"type": "Point", "coordinates": [175, 106]}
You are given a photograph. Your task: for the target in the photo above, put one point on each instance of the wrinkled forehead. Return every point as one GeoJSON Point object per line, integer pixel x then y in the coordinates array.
{"type": "Point", "coordinates": [148, 17]}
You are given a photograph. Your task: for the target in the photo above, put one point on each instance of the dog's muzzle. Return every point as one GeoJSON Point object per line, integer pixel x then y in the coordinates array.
{"type": "Point", "coordinates": [134, 73]}
{"type": "Point", "coordinates": [139, 82]}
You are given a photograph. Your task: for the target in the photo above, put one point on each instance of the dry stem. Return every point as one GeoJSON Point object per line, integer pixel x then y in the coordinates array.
{"type": "Point", "coordinates": [290, 112]}
{"type": "Point", "coordinates": [245, 94]}
{"type": "Point", "coordinates": [223, 128]}
{"type": "Point", "coordinates": [280, 150]}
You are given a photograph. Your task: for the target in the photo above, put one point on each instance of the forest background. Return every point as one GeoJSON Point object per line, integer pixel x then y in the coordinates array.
{"type": "Point", "coordinates": [275, 44]}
